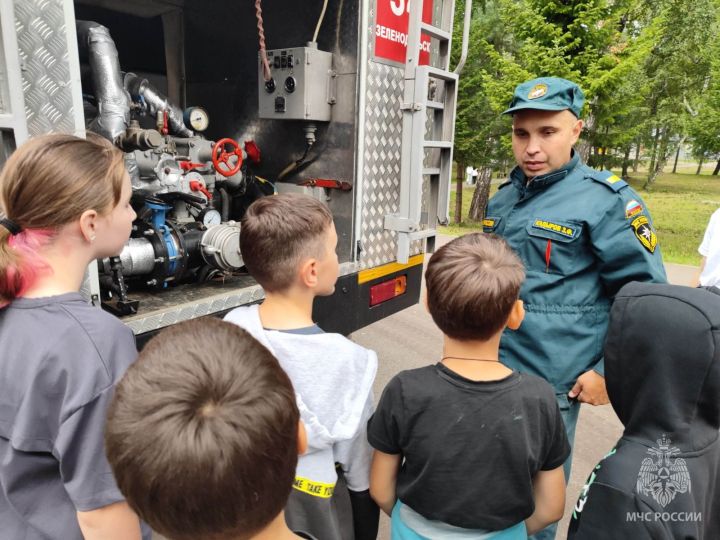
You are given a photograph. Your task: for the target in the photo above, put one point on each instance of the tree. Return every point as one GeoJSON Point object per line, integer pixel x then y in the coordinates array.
{"type": "Point", "coordinates": [482, 134]}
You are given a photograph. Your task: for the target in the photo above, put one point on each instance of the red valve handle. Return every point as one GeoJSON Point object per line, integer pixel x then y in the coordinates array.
{"type": "Point", "coordinates": [220, 156]}
{"type": "Point", "coordinates": [197, 186]}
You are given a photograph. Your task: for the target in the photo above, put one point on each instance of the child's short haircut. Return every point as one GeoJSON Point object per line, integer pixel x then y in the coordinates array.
{"type": "Point", "coordinates": [277, 231]}
{"type": "Point", "coordinates": [472, 285]}
{"type": "Point", "coordinates": [202, 433]}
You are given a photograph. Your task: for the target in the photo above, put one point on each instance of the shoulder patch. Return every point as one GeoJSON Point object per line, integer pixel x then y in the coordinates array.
{"type": "Point", "coordinates": [608, 179]}
{"type": "Point", "coordinates": [645, 233]}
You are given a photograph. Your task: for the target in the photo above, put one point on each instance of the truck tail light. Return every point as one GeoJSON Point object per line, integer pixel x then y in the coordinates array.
{"type": "Point", "coordinates": [387, 290]}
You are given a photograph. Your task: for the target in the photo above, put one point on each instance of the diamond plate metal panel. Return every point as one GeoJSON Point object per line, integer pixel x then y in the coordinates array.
{"type": "Point", "coordinates": [381, 167]}
{"type": "Point", "coordinates": [46, 76]}
{"type": "Point", "coordinates": [381, 160]}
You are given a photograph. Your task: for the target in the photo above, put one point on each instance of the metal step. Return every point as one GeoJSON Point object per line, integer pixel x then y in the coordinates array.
{"type": "Point", "coordinates": [434, 31]}
{"type": "Point", "coordinates": [438, 144]}
{"type": "Point", "coordinates": [435, 105]}
{"type": "Point", "coordinates": [438, 73]}
{"type": "Point", "coordinates": [431, 171]}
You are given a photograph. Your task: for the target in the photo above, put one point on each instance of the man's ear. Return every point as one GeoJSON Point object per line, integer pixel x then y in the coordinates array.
{"type": "Point", "coordinates": [88, 223]}
{"type": "Point", "coordinates": [577, 129]}
{"type": "Point", "coordinates": [517, 314]}
{"type": "Point", "coordinates": [302, 441]}
{"type": "Point", "coordinates": [308, 272]}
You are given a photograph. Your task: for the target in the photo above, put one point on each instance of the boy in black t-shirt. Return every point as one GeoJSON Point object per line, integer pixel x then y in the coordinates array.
{"type": "Point", "coordinates": [468, 448]}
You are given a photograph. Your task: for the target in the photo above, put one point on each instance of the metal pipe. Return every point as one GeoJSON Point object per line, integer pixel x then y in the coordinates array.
{"type": "Point", "coordinates": [158, 102]}
{"type": "Point", "coordinates": [466, 36]}
{"type": "Point", "coordinates": [95, 43]}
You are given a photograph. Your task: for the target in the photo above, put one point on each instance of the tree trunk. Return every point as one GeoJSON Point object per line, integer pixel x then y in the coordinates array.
{"type": "Point", "coordinates": [458, 191]}
{"type": "Point", "coordinates": [717, 168]}
{"type": "Point", "coordinates": [653, 155]}
{"type": "Point", "coordinates": [626, 162]}
{"type": "Point", "coordinates": [677, 156]}
{"type": "Point", "coordinates": [702, 158]}
{"type": "Point", "coordinates": [584, 146]}
{"type": "Point", "coordinates": [662, 158]}
{"type": "Point", "coordinates": [637, 156]}
{"type": "Point", "coordinates": [481, 195]}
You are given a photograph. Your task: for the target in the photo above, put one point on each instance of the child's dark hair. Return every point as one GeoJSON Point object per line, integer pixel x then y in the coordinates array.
{"type": "Point", "coordinates": [202, 433]}
{"type": "Point", "coordinates": [472, 285]}
{"type": "Point", "coordinates": [277, 231]}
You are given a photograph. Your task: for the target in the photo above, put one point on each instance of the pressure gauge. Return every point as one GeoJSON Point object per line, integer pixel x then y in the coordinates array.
{"type": "Point", "coordinates": [211, 217]}
{"type": "Point", "coordinates": [196, 118]}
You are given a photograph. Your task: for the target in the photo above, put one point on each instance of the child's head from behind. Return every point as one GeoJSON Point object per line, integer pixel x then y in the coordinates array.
{"type": "Point", "coordinates": [202, 434]}
{"type": "Point", "coordinates": [49, 185]}
{"type": "Point", "coordinates": [473, 285]}
{"type": "Point", "coordinates": [288, 240]}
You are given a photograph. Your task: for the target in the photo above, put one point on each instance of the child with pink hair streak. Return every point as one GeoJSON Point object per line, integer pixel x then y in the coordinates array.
{"type": "Point", "coordinates": [64, 201]}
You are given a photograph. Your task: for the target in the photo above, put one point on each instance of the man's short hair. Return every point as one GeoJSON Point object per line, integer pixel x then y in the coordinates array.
{"type": "Point", "coordinates": [277, 232]}
{"type": "Point", "coordinates": [202, 433]}
{"type": "Point", "coordinates": [472, 285]}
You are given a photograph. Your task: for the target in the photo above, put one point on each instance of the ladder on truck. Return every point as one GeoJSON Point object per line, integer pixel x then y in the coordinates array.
{"type": "Point", "coordinates": [428, 91]}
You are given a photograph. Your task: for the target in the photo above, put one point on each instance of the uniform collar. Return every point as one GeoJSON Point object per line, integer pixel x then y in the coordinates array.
{"type": "Point", "coordinates": [518, 178]}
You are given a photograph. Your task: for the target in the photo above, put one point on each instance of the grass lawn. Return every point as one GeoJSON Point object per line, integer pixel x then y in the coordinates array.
{"type": "Point", "coordinates": [680, 204]}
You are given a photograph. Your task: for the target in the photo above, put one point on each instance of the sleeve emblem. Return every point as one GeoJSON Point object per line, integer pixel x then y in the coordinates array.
{"type": "Point", "coordinates": [632, 209]}
{"type": "Point", "coordinates": [645, 233]}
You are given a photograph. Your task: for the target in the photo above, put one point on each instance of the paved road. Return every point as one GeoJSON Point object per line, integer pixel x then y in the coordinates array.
{"type": "Point", "coordinates": [410, 339]}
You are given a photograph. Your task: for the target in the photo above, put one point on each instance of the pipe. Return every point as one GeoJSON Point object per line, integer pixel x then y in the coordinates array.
{"type": "Point", "coordinates": [158, 102]}
{"type": "Point", "coordinates": [466, 36]}
{"type": "Point", "coordinates": [225, 199]}
{"type": "Point", "coordinates": [95, 44]}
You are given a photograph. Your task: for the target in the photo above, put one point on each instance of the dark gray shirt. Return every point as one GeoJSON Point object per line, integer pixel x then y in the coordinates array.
{"type": "Point", "coordinates": [471, 448]}
{"type": "Point", "coordinates": [59, 362]}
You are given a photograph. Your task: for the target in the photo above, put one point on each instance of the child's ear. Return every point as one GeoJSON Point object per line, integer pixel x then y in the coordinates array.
{"type": "Point", "coordinates": [517, 314]}
{"type": "Point", "coordinates": [308, 272]}
{"type": "Point", "coordinates": [87, 224]}
{"type": "Point", "coordinates": [302, 438]}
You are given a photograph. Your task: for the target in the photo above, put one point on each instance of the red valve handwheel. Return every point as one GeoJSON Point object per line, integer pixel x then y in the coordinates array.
{"type": "Point", "coordinates": [220, 156]}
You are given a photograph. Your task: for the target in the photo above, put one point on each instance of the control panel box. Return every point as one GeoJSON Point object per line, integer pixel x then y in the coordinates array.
{"type": "Point", "coordinates": [303, 88]}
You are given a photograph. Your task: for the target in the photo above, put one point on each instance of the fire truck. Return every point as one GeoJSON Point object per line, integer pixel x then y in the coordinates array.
{"type": "Point", "coordinates": [218, 102]}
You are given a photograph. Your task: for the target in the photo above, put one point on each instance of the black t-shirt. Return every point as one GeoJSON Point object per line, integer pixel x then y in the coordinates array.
{"type": "Point", "coordinates": [470, 448]}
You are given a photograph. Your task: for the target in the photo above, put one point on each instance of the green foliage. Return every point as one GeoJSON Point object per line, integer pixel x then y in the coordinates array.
{"type": "Point", "coordinates": [649, 69]}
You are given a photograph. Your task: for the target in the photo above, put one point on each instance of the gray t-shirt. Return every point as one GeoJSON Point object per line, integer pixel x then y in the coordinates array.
{"type": "Point", "coordinates": [60, 361]}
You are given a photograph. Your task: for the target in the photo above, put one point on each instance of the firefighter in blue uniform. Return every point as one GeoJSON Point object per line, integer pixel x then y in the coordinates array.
{"type": "Point", "coordinates": [582, 235]}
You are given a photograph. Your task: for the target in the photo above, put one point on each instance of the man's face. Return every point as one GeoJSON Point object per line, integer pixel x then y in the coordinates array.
{"type": "Point", "coordinates": [542, 140]}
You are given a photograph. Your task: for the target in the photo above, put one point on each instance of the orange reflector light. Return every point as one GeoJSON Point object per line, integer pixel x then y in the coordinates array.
{"type": "Point", "coordinates": [387, 290]}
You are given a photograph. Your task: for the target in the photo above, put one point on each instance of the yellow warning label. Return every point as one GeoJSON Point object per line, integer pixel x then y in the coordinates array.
{"type": "Point", "coordinates": [316, 489]}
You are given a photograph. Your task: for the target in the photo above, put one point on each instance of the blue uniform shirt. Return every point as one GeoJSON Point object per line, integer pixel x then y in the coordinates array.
{"type": "Point", "coordinates": [582, 234]}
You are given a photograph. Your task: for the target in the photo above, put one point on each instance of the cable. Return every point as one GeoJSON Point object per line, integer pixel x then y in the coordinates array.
{"type": "Point", "coordinates": [267, 74]}
{"type": "Point", "coordinates": [320, 20]}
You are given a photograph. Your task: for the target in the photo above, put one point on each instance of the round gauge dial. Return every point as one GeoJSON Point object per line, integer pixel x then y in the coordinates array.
{"type": "Point", "coordinates": [211, 217]}
{"type": "Point", "coordinates": [197, 118]}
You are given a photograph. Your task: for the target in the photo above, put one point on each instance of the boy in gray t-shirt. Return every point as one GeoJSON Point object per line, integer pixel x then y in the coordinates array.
{"type": "Point", "coordinates": [288, 244]}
